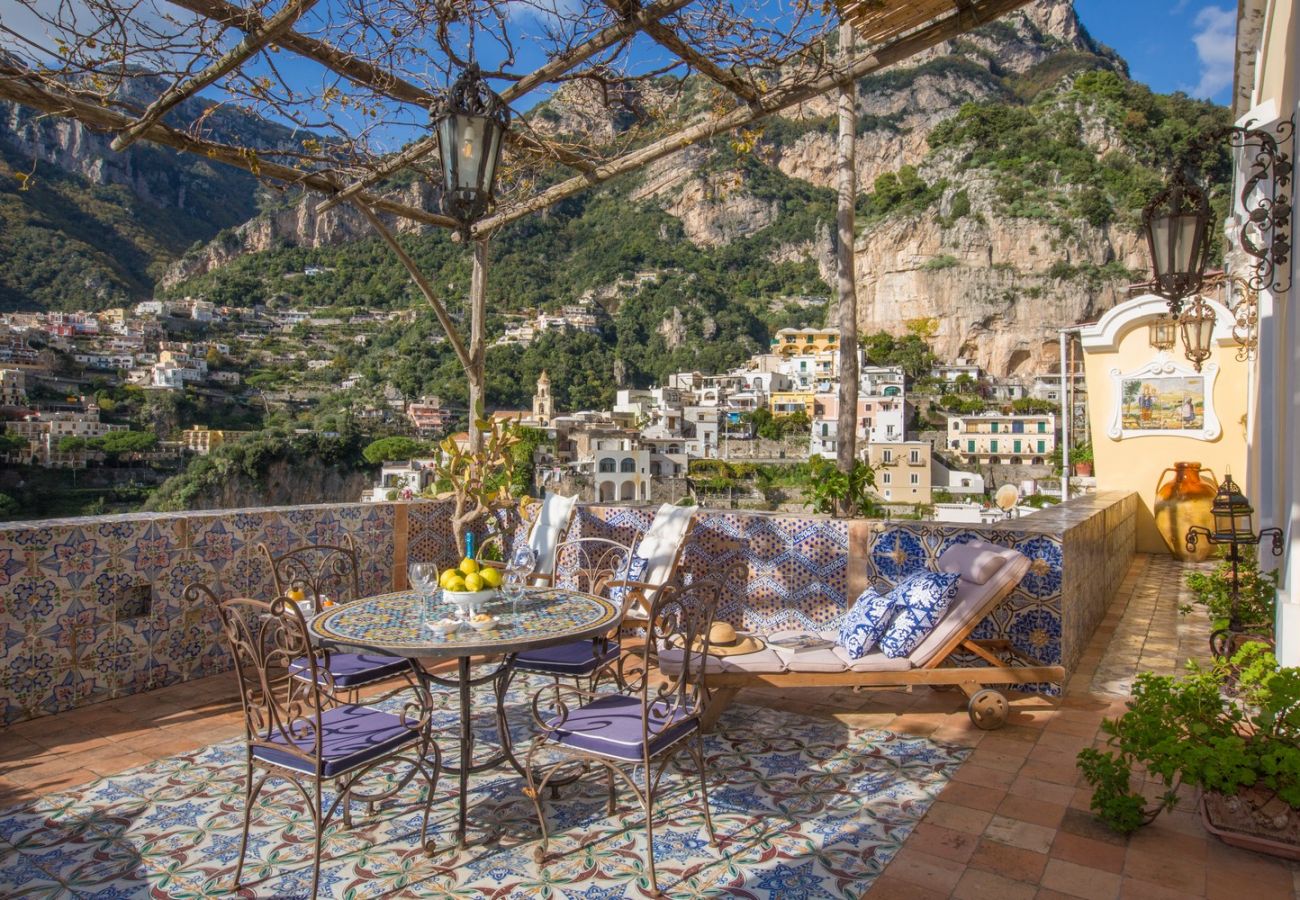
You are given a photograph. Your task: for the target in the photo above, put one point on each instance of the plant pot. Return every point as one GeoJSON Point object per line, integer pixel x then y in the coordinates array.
{"type": "Point", "coordinates": [1083, 469]}
{"type": "Point", "coordinates": [1181, 503]}
{"type": "Point", "coordinates": [1253, 819]}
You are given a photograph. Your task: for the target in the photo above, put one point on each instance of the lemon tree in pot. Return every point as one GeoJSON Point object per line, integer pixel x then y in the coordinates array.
{"type": "Point", "coordinates": [1241, 749]}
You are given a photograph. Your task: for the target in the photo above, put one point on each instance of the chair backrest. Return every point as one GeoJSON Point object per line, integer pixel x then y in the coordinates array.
{"type": "Point", "coordinates": [550, 529]}
{"type": "Point", "coordinates": [318, 570]}
{"type": "Point", "coordinates": [681, 616]}
{"type": "Point", "coordinates": [662, 543]}
{"type": "Point", "coordinates": [280, 711]}
{"type": "Point", "coordinates": [591, 563]}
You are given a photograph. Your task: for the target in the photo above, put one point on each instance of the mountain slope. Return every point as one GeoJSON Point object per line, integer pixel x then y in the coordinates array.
{"type": "Point", "coordinates": [84, 227]}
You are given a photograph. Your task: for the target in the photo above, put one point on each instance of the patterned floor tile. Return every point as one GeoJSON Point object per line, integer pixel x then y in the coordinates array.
{"type": "Point", "coordinates": [802, 807]}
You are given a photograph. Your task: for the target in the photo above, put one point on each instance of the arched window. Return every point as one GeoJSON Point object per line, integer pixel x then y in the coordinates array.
{"type": "Point", "coordinates": [673, 448]}
{"type": "Point", "coordinates": [627, 465]}
{"type": "Point", "coordinates": [627, 491]}
{"type": "Point", "coordinates": [608, 465]}
{"type": "Point", "coordinates": [607, 492]}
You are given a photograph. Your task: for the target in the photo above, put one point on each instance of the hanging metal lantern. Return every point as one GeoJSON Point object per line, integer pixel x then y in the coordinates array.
{"type": "Point", "coordinates": [1176, 222]}
{"type": "Point", "coordinates": [1163, 333]}
{"type": "Point", "coordinates": [471, 122]}
{"type": "Point", "coordinates": [1197, 326]}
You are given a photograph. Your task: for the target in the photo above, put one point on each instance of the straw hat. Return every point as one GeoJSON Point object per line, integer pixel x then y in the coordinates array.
{"type": "Point", "coordinates": [723, 641]}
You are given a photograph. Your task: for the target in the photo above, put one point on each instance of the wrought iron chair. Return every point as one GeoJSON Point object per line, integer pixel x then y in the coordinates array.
{"type": "Point", "coordinates": [323, 571]}
{"type": "Point", "coordinates": [593, 565]}
{"type": "Point", "coordinates": [297, 731]}
{"type": "Point", "coordinates": [650, 721]}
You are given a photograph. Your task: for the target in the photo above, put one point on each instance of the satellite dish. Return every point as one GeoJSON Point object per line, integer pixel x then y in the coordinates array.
{"type": "Point", "coordinates": [1007, 497]}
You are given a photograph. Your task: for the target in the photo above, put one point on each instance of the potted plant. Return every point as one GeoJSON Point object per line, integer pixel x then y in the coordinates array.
{"type": "Point", "coordinates": [1241, 750]}
{"type": "Point", "coordinates": [1081, 458]}
{"type": "Point", "coordinates": [1248, 617]}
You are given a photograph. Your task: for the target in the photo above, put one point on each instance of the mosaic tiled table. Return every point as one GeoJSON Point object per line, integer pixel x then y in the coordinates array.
{"type": "Point", "coordinates": [401, 624]}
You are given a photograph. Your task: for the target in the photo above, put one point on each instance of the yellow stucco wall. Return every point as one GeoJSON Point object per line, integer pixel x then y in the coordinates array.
{"type": "Point", "coordinates": [1120, 341]}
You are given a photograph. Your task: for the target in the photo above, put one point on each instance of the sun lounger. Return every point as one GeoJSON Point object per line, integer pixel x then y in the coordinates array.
{"type": "Point", "coordinates": [815, 659]}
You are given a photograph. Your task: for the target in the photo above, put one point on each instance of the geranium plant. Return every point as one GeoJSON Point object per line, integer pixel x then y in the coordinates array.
{"type": "Point", "coordinates": [1189, 731]}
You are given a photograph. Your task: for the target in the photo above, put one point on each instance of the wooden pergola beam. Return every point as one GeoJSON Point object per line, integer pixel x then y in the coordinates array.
{"type": "Point", "coordinates": [774, 101]}
{"type": "Point", "coordinates": [562, 63]}
{"type": "Point", "coordinates": [363, 73]}
{"type": "Point", "coordinates": [665, 37]}
{"type": "Point", "coordinates": [15, 86]}
{"type": "Point", "coordinates": [253, 41]}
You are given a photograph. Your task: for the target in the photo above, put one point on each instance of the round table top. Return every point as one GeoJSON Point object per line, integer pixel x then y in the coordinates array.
{"type": "Point", "coordinates": [398, 623]}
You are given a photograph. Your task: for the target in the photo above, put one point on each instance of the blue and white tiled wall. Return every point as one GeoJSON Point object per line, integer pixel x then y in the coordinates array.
{"type": "Point", "coordinates": [92, 609]}
{"type": "Point", "coordinates": [70, 633]}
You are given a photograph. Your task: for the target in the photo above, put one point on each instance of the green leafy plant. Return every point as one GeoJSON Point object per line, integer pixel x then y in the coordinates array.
{"type": "Point", "coordinates": [1081, 454]}
{"type": "Point", "coordinates": [1256, 603]}
{"type": "Point", "coordinates": [1188, 731]}
{"type": "Point", "coordinates": [834, 490]}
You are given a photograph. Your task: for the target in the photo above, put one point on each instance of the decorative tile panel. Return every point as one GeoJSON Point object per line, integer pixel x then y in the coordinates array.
{"type": "Point", "coordinates": [62, 640]}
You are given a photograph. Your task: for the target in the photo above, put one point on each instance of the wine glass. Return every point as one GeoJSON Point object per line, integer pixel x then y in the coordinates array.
{"type": "Point", "coordinates": [424, 577]}
{"type": "Point", "coordinates": [523, 560]}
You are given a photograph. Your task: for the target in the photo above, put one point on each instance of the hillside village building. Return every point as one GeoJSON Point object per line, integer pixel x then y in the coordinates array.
{"type": "Point", "coordinates": [44, 431]}
{"type": "Point", "coordinates": [903, 471]}
{"type": "Point", "coordinates": [995, 438]}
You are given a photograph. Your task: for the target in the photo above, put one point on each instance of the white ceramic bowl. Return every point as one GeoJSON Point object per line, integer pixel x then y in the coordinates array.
{"type": "Point", "coordinates": [484, 624]}
{"type": "Point", "coordinates": [468, 601]}
{"type": "Point", "coordinates": [445, 626]}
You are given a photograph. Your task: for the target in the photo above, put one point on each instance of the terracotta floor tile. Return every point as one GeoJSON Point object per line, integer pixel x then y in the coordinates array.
{"type": "Point", "coordinates": [973, 795]}
{"type": "Point", "coordinates": [958, 818]}
{"type": "Point", "coordinates": [1171, 867]}
{"type": "Point", "coordinates": [977, 884]}
{"type": "Point", "coordinates": [945, 842]}
{"type": "Point", "coordinates": [1031, 809]}
{"type": "Point", "coordinates": [1024, 835]}
{"type": "Point", "coordinates": [929, 870]}
{"type": "Point", "coordinates": [984, 776]}
{"type": "Point", "coordinates": [1132, 889]}
{"type": "Point", "coordinates": [1029, 786]}
{"type": "Point", "coordinates": [1088, 852]}
{"type": "Point", "coordinates": [888, 887]}
{"type": "Point", "coordinates": [1080, 881]}
{"type": "Point", "coordinates": [1012, 862]}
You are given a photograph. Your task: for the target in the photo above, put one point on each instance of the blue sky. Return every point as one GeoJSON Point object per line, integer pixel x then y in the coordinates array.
{"type": "Point", "coordinates": [1171, 45]}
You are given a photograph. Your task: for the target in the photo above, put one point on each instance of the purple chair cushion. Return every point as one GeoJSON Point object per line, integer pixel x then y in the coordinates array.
{"type": "Point", "coordinates": [351, 735]}
{"type": "Point", "coordinates": [611, 726]}
{"type": "Point", "coordinates": [573, 658]}
{"type": "Point", "coordinates": [352, 669]}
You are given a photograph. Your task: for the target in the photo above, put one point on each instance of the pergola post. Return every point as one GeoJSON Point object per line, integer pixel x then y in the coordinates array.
{"type": "Point", "coordinates": [477, 343]}
{"type": "Point", "coordinates": [846, 282]}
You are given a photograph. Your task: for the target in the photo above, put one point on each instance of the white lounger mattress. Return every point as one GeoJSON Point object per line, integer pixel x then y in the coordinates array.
{"type": "Point", "coordinates": [774, 659]}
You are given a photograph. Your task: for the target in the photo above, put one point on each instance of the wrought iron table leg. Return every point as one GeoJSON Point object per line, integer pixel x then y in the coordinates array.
{"type": "Point", "coordinates": [466, 766]}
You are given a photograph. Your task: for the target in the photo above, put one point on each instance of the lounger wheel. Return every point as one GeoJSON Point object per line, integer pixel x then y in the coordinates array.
{"type": "Point", "coordinates": [988, 709]}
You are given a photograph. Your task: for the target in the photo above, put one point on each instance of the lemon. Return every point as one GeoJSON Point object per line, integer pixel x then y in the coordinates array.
{"type": "Point", "coordinates": [445, 578]}
{"type": "Point", "coordinates": [491, 577]}
{"type": "Point", "coordinates": [296, 594]}
{"type": "Point", "coordinates": [468, 566]}
{"type": "Point", "coordinates": [474, 582]}
{"type": "Point", "coordinates": [456, 585]}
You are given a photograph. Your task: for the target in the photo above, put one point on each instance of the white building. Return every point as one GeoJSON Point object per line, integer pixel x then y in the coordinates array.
{"type": "Point", "coordinates": [996, 438]}
{"type": "Point", "coordinates": [620, 470]}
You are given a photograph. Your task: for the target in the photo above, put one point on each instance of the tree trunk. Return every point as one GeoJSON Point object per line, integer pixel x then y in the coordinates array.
{"type": "Point", "coordinates": [847, 188]}
{"type": "Point", "coordinates": [477, 342]}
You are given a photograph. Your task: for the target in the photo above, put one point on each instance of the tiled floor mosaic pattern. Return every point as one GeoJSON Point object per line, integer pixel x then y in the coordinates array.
{"type": "Point", "coordinates": [1012, 823]}
{"type": "Point", "coordinates": [804, 807]}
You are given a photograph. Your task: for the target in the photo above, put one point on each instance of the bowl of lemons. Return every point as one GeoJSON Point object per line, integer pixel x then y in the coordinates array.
{"type": "Point", "coordinates": [469, 585]}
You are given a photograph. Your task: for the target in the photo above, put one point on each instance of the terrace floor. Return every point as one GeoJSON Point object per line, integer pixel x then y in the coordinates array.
{"type": "Point", "coordinates": [1013, 822]}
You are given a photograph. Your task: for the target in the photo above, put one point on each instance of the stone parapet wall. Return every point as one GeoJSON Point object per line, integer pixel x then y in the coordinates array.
{"type": "Point", "coordinates": [92, 608]}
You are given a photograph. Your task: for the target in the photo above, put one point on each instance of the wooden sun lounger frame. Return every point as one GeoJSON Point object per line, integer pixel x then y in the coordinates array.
{"type": "Point", "coordinates": [988, 706]}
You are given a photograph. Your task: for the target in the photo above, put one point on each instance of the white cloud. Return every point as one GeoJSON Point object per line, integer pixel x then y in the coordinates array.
{"type": "Point", "coordinates": [1216, 48]}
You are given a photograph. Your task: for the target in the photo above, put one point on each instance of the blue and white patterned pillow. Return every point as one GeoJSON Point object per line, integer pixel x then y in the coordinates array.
{"type": "Point", "coordinates": [921, 600]}
{"type": "Point", "coordinates": [636, 569]}
{"type": "Point", "coordinates": [865, 623]}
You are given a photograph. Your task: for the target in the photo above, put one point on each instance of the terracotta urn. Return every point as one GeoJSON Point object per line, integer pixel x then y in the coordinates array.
{"type": "Point", "coordinates": [1181, 502]}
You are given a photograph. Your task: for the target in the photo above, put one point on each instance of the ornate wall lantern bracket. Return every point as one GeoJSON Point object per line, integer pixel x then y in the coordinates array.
{"type": "Point", "coordinates": [1265, 197]}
